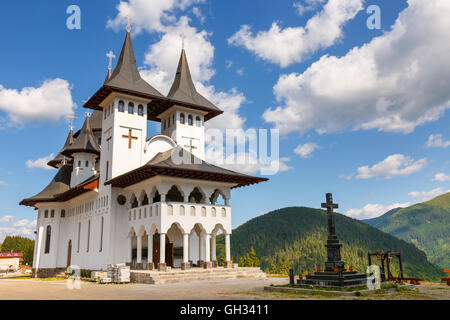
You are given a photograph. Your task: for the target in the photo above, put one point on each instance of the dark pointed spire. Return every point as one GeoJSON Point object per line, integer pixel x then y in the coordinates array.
{"type": "Point", "coordinates": [85, 142]}
{"type": "Point", "coordinates": [183, 88]}
{"type": "Point", "coordinates": [126, 76]}
{"type": "Point", "coordinates": [60, 158]}
{"type": "Point", "coordinates": [108, 76]}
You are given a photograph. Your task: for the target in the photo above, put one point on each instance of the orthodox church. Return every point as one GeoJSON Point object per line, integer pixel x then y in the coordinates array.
{"type": "Point", "coordinates": [119, 196]}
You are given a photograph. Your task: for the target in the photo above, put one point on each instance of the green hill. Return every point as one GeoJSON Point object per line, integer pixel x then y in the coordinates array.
{"type": "Point", "coordinates": [426, 225]}
{"type": "Point", "coordinates": [297, 235]}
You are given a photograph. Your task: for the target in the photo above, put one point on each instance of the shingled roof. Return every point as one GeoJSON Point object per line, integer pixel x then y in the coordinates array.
{"type": "Point", "coordinates": [85, 141]}
{"type": "Point", "coordinates": [124, 79]}
{"type": "Point", "coordinates": [60, 157]}
{"type": "Point", "coordinates": [163, 164]}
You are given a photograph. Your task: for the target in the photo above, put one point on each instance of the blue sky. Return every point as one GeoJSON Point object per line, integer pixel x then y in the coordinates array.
{"type": "Point", "coordinates": [362, 113]}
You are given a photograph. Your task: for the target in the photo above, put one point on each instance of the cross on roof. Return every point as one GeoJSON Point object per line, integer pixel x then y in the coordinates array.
{"type": "Point", "coordinates": [129, 23]}
{"type": "Point", "coordinates": [111, 56]}
{"type": "Point", "coordinates": [183, 37]}
{"type": "Point", "coordinates": [130, 138]}
{"type": "Point", "coordinates": [71, 118]}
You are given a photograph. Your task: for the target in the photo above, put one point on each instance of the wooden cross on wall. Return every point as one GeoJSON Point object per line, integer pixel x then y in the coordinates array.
{"type": "Point", "coordinates": [130, 138]}
{"type": "Point", "coordinates": [191, 147]}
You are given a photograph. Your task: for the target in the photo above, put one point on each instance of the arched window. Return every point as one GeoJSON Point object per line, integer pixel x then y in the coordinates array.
{"type": "Point", "coordinates": [157, 197]}
{"type": "Point", "coordinates": [79, 234]}
{"type": "Point", "coordinates": [190, 120]}
{"type": "Point", "coordinates": [63, 213]}
{"type": "Point", "coordinates": [107, 170]}
{"type": "Point", "coordinates": [121, 106]}
{"type": "Point", "coordinates": [135, 203]}
{"type": "Point", "coordinates": [52, 214]}
{"type": "Point", "coordinates": [48, 237]}
{"type": "Point", "coordinates": [101, 235]}
{"type": "Point", "coordinates": [196, 196]}
{"type": "Point", "coordinates": [88, 235]}
{"type": "Point", "coordinates": [87, 164]}
{"type": "Point", "coordinates": [174, 195]}
{"type": "Point", "coordinates": [182, 211]}
{"type": "Point", "coordinates": [46, 214]}
{"type": "Point", "coordinates": [141, 110]}
{"type": "Point", "coordinates": [131, 108]}
{"type": "Point", "coordinates": [145, 200]}
{"type": "Point", "coordinates": [164, 124]}
{"type": "Point", "coordinates": [198, 122]}
{"type": "Point", "coordinates": [192, 211]}
{"type": "Point", "coordinates": [182, 118]}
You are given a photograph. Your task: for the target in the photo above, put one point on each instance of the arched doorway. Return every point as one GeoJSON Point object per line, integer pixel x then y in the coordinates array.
{"type": "Point", "coordinates": [69, 254]}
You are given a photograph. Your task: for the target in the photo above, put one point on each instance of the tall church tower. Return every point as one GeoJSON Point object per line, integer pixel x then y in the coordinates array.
{"type": "Point", "coordinates": [123, 99]}
{"type": "Point", "coordinates": [185, 120]}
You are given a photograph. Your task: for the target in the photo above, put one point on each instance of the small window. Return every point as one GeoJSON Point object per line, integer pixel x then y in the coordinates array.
{"type": "Point", "coordinates": [131, 108]}
{"type": "Point", "coordinates": [101, 235]}
{"type": "Point", "coordinates": [164, 124]}
{"type": "Point", "coordinates": [63, 213]}
{"type": "Point", "coordinates": [104, 114]}
{"type": "Point", "coordinates": [107, 170]}
{"type": "Point", "coordinates": [46, 214]}
{"type": "Point", "coordinates": [182, 118]}
{"type": "Point", "coordinates": [141, 110]}
{"type": "Point", "coordinates": [121, 106]}
{"type": "Point", "coordinates": [99, 141]}
{"type": "Point", "coordinates": [52, 214]}
{"type": "Point", "coordinates": [88, 235]}
{"type": "Point", "coordinates": [198, 122]}
{"type": "Point", "coordinates": [190, 120]}
{"type": "Point", "coordinates": [168, 125]}
{"type": "Point", "coordinates": [48, 237]}
{"type": "Point", "coordinates": [87, 164]}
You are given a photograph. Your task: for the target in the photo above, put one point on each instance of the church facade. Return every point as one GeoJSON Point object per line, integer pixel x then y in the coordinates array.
{"type": "Point", "coordinates": [119, 196]}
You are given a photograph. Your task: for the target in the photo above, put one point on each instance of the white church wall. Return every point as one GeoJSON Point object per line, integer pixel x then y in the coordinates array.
{"type": "Point", "coordinates": [83, 168]}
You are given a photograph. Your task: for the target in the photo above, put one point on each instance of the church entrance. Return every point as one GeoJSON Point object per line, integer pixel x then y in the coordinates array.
{"type": "Point", "coordinates": [156, 251]}
{"type": "Point", "coordinates": [69, 253]}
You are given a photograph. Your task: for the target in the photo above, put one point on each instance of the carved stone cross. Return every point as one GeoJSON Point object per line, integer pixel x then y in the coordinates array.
{"type": "Point", "coordinates": [330, 206]}
{"type": "Point", "coordinates": [130, 138]}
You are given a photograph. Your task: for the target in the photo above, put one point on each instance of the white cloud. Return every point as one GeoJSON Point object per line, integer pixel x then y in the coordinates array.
{"type": "Point", "coordinates": [294, 44]}
{"type": "Point", "coordinates": [394, 165]}
{"type": "Point", "coordinates": [309, 5]}
{"type": "Point", "coordinates": [306, 150]}
{"type": "Point", "coordinates": [51, 102]}
{"type": "Point", "coordinates": [435, 140]}
{"type": "Point", "coordinates": [427, 195]}
{"type": "Point", "coordinates": [394, 83]}
{"type": "Point", "coordinates": [441, 177]}
{"type": "Point", "coordinates": [198, 14]}
{"type": "Point", "coordinates": [40, 163]}
{"type": "Point", "coordinates": [6, 219]}
{"type": "Point", "coordinates": [150, 16]}
{"type": "Point", "coordinates": [370, 210]}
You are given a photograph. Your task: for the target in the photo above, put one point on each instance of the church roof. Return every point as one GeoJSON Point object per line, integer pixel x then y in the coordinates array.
{"type": "Point", "coordinates": [85, 141]}
{"type": "Point", "coordinates": [163, 164]}
{"type": "Point", "coordinates": [60, 157]}
{"type": "Point", "coordinates": [59, 188]}
{"type": "Point", "coordinates": [96, 123]}
{"type": "Point", "coordinates": [59, 184]}
{"type": "Point", "coordinates": [183, 88]}
{"type": "Point", "coordinates": [124, 79]}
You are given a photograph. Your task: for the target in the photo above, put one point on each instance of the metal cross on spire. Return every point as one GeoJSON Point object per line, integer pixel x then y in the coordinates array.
{"type": "Point", "coordinates": [71, 118]}
{"type": "Point", "coordinates": [129, 24]}
{"type": "Point", "coordinates": [183, 37]}
{"type": "Point", "coordinates": [111, 56]}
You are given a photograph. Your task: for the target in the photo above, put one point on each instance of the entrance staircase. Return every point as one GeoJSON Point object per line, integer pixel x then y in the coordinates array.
{"type": "Point", "coordinates": [194, 274]}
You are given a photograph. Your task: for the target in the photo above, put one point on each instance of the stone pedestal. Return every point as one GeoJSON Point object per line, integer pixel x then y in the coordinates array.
{"type": "Point", "coordinates": [128, 264]}
{"type": "Point", "coordinates": [228, 264]}
{"type": "Point", "coordinates": [207, 265]}
{"type": "Point", "coordinates": [185, 266]}
{"type": "Point", "coordinates": [200, 263]}
{"type": "Point", "coordinates": [215, 264]}
{"type": "Point", "coordinates": [139, 266]}
{"type": "Point", "coordinates": [162, 266]}
{"type": "Point", "coordinates": [150, 266]}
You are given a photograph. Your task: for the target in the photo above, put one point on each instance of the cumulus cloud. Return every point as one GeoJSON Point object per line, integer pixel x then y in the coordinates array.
{"type": "Point", "coordinates": [441, 177]}
{"type": "Point", "coordinates": [24, 227]}
{"type": "Point", "coordinates": [306, 150]}
{"type": "Point", "coordinates": [427, 195]}
{"type": "Point", "coordinates": [370, 210]}
{"type": "Point", "coordinates": [50, 102]}
{"type": "Point", "coordinates": [394, 165]}
{"type": "Point", "coordinates": [394, 83]}
{"type": "Point", "coordinates": [307, 5]}
{"type": "Point", "coordinates": [40, 163]}
{"type": "Point", "coordinates": [436, 140]}
{"type": "Point", "coordinates": [6, 219]}
{"type": "Point", "coordinates": [294, 44]}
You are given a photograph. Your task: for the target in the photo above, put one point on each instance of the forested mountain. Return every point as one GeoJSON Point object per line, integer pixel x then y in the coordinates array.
{"type": "Point", "coordinates": [16, 243]}
{"type": "Point", "coordinates": [426, 225]}
{"type": "Point", "coordinates": [295, 237]}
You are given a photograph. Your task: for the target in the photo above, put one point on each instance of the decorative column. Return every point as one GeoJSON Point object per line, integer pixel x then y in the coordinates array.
{"type": "Point", "coordinates": [162, 252]}
{"type": "Point", "coordinates": [130, 250]}
{"type": "Point", "coordinates": [38, 251]}
{"type": "Point", "coordinates": [207, 264]}
{"type": "Point", "coordinates": [139, 253]}
{"type": "Point", "coordinates": [185, 265]}
{"type": "Point", "coordinates": [200, 261]}
{"type": "Point", "coordinates": [213, 250]}
{"type": "Point", "coordinates": [186, 199]}
{"type": "Point", "coordinates": [150, 265]}
{"type": "Point", "coordinates": [228, 262]}
{"type": "Point", "coordinates": [163, 197]}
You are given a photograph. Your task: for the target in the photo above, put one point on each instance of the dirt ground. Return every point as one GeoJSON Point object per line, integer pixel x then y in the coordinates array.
{"type": "Point", "coordinates": [31, 289]}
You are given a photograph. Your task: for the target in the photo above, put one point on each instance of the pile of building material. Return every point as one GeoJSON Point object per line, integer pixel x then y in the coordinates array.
{"type": "Point", "coordinates": [98, 275]}
{"type": "Point", "coordinates": [119, 273]}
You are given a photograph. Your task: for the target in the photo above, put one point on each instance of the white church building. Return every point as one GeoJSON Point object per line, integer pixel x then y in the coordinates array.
{"type": "Point", "coordinates": [119, 196]}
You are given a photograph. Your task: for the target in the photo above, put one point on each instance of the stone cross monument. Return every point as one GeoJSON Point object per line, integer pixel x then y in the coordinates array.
{"type": "Point", "coordinates": [333, 246]}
